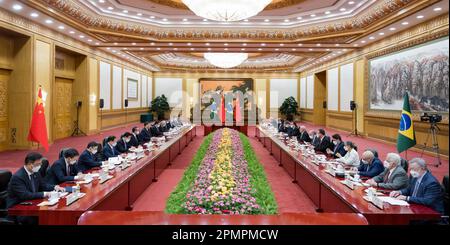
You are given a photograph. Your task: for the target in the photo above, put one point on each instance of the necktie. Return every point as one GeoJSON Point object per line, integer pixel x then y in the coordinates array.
{"type": "Point", "coordinates": [68, 170]}
{"type": "Point", "coordinates": [386, 176]}
{"type": "Point", "coordinates": [33, 186]}
{"type": "Point", "coordinates": [416, 188]}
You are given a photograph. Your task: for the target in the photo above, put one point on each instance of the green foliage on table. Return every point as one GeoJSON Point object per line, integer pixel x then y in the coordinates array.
{"type": "Point", "coordinates": [178, 196]}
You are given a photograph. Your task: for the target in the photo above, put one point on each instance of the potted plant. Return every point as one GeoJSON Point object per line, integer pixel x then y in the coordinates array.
{"type": "Point", "coordinates": [289, 108]}
{"type": "Point", "coordinates": [160, 106]}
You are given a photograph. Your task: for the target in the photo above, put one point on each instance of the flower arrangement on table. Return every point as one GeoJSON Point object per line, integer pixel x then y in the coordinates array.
{"type": "Point", "coordinates": [222, 182]}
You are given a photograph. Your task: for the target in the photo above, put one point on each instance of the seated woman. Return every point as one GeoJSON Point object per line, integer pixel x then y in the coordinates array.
{"type": "Point", "coordinates": [351, 158]}
{"type": "Point", "coordinates": [338, 150]}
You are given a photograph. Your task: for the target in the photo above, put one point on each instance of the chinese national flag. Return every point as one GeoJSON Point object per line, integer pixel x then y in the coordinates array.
{"type": "Point", "coordinates": [238, 110]}
{"type": "Point", "coordinates": [38, 128]}
{"type": "Point", "coordinates": [222, 110]}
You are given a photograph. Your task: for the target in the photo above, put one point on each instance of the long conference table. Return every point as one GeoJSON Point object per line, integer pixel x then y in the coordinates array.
{"type": "Point", "coordinates": [118, 193]}
{"type": "Point", "coordinates": [329, 195]}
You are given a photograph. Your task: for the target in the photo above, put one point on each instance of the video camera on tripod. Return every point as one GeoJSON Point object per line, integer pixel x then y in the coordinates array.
{"type": "Point", "coordinates": [432, 118]}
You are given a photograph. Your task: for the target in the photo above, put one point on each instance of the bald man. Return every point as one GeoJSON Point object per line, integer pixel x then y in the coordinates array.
{"type": "Point", "coordinates": [370, 165]}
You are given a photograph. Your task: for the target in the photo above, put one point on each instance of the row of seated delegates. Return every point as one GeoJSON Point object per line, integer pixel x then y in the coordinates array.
{"type": "Point", "coordinates": [27, 184]}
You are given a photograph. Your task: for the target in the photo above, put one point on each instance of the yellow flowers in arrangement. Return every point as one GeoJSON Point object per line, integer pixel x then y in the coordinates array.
{"type": "Point", "coordinates": [222, 181]}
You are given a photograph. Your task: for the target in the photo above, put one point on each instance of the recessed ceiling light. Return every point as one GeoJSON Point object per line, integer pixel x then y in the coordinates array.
{"type": "Point", "coordinates": [300, 44]}
{"type": "Point", "coordinates": [299, 18]}
{"type": "Point", "coordinates": [351, 2]}
{"type": "Point", "coordinates": [355, 44]}
{"type": "Point", "coordinates": [185, 19]}
{"type": "Point", "coordinates": [158, 48]}
{"type": "Point", "coordinates": [141, 48]}
{"type": "Point", "coordinates": [153, 44]}
{"type": "Point", "coordinates": [189, 44]}
{"type": "Point", "coordinates": [209, 49]}
{"type": "Point", "coordinates": [328, 12]}
{"type": "Point", "coordinates": [281, 44]}
{"type": "Point", "coordinates": [318, 45]}
{"type": "Point", "coordinates": [34, 15]}
{"type": "Point", "coordinates": [152, 17]}
{"type": "Point", "coordinates": [266, 20]}
{"type": "Point", "coordinates": [437, 9]}
{"type": "Point", "coordinates": [243, 49]}
{"type": "Point", "coordinates": [286, 20]}
{"type": "Point", "coordinates": [192, 49]}
{"type": "Point", "coordinates": [263, 44]}
{"type": "Point", "coordinates": [116, 44]}
{"type": "Point", "coordinates": [71, 32]}
{"type": "Point", "coordinates": [125, 11]}
{"type": "Point", "coordinates": [170, 44]}
{"type": "Point", "coordinates": [342, 9]}
{"type": "Point", "coordinates": [392, 29]}
{"type": "Point", "coordinates": [244, 44]}
{"type": "Point", "coordinates": [175, 48]}
{"type": "Point", "coordinates": [164, 19]}
{"type": "Point", "coordinates": [363, 41]}
{"type": "Point", "coordinates": [420, 17]}
{"type": "Point", "coordinates": [313, 15]}
{"type": "Point", "coordinates": [225, 49]}
{"type": "Point", "coordinates": [97, 43]}
{"type": "Point", "coordinates": [49, 21]}
{"type": "Point", "coordinates": [61, 27]}
{"type": "Point", "coordinates": [89, 40]}
{"type": "Point", "coordinates": [371, 38]}
{"type": "Point", "coordinates": [294, 49]}
{"type": "Point", "coordinates": [81, 36]}
{"type": "Point", "coordinates": [327, 49]}
{"type": "Point", "coordinates": [139, 14]}
{"type": "Point", "coordinates": [226, 44]}
{"type": "Point", "coordinates": [277, 49]}
{"type": "Point", "coordinates": [260, 49]}
{"type": "Point", "coordinates": [134, 44]}
{"type": "Point", "coordinates": [110, 8]}
{"type": "Point", "coordinates": [114, 51]}
{"type": "Point", "coordinates": [205, 20]}
{"type": "Point", "coordinates": [17, 7]}
{"type": "Point", "coordinates": [311, 49]}
{"type": "Point", "coordinates": [101, 1]}
{"type": "Point", "coordinates": [405, 23]}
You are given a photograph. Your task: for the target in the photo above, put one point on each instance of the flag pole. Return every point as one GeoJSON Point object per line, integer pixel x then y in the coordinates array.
{"type": "Point", "coordinates": [406, 155]}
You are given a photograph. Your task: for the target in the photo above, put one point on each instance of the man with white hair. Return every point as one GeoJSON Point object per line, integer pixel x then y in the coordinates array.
{"type": "Point", "coordinates": [303, 136]}
{"type": "Point", "coordinates": [394, 177]}
{"type": "Point", "coordinates": [370, 165]}
{"type": "Point", "coordinates": [423, 188]}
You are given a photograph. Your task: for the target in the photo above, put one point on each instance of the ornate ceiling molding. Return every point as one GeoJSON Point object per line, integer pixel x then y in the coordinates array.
{"type": "Point", "coordinates": [276, 4]}
{"type": "Point", "coordinates": [95, 23]}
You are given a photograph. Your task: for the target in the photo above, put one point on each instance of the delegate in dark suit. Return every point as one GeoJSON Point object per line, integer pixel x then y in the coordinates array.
{"type": "Point", "coordinates": [428, 192]}
{"type": "Point", "coordinates": [134, 140]}
{"type": "Point", "coordinates": [87, 161]}
{"type": "Point", "coordinates": [339, 148]}
{"type": "Point", "coordinates": [22, 188]}
{"type": "Point", "coordinates": [397, 180]}
{"type": "Point", "coordinates": [145, 135]}
{"type": "Point", "coordinates": [58, 172]}
{"type": "Point", "coordinates": [293, 131]}
{"type": "Point", "coordinates": [110, 151]}
{"type": "Point", "coordinates": [156, 131]}
{"type": "Point", "coordinates": [122, 146]}
{"type": "Point", "coordinates": [323, 145]}
{"type": "Point", "coordinates": [304, 137]}
{"type": "Point", "coordinates": [371, 170]}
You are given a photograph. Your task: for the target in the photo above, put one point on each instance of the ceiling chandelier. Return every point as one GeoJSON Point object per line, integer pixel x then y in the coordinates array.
{"type": "Point", "coordinates": [226, 60]}
{"type": "Point", "coordinates": [226, 10]}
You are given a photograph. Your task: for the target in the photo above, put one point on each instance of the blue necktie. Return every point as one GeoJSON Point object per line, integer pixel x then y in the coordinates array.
{"type": "Point", "coordinates": [416, 188]}
{"type": "Point", "coordinates": [33, 186]}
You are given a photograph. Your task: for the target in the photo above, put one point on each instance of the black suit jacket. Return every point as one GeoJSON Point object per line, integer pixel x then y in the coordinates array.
{"type": "Point", "coordinates": [20, 188]}
{"type": "Point", "coordinates": [87, 161]}
{"type": "Point", "coordinates": [134, 141]}
{"type": "Point", "coordinates": [339, 149]}
{"type": "Point", "coordinates": [145, 136]}
{"type": "Point", "coordinates": [156, 131]}
{"type": "Point", "coordinates": [293, 132]}
{"type": "Point", "coordinates": [110, 152]}
{"type": "Point", "coordinates": [58, 172]}
{"type": "Point", "coordinates": [303, 137]}
{"type": "Point", "coordinates": [122, 146]}
{"type": "Point", "coordinates": [323, 145]}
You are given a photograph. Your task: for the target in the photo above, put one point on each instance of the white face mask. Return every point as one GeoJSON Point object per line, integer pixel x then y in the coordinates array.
{"type": "Point", "coordinates": [114, 144]}
{"type": "Point", "coordinates": [36, 169]}
{"type": "Point", "coordinates": [334, 142]}
{"type": "Point", "coordinates": [127, 140]}
{"type": "Point", "coordinates": [94, 152]}
{"type": "Point", "coordinates": [386, 164]}
{"type": "Point", "coordinates": [346, 148]}
{"type": "Point", "coordinates": [414, 173]}
{"type": "Point", "coordinates": [364, 162]}
{"type": "Point", "coordinates": [73, 162]}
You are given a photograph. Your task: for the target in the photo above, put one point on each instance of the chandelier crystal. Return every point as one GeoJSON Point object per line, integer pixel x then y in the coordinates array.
{"type": "Point", "coordinates": [226, 60]}
{"type": "Point", "coordinates": [226, 10]}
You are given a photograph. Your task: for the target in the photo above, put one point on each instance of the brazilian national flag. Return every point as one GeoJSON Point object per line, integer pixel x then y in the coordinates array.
{"type": "Point", "coordinates": [406, 135]}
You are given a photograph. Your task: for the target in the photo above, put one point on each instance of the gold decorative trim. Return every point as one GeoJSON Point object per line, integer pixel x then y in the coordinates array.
{"type": "Point", "coordinates": [276, 4]}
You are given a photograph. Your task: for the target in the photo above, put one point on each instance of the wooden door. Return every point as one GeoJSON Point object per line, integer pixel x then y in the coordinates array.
{"type": "Point", "coordinates": [64, 108]}
{"type": "Point", "coordinates": [4, 78]}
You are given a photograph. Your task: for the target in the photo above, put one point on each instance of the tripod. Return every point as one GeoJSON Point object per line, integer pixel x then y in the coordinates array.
{"type": "Point", "coordinates": [354, 122]}
{"type": "Point", "coordinates": [77, 131]}
{"type": "Point", "coordinates": [434, 129]}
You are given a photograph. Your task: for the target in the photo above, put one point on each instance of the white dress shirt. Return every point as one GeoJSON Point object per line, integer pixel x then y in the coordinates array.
{"type": "Point", "coordinates": [351, 158]}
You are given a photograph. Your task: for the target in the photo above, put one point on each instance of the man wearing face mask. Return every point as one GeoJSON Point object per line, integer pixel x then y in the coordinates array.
{"type": "Point", "coordinates": [394, 177]}
{"type": "Point", "coordinates": [145, 135]}
{"type": "Point", "coordinates": [109, 150]}
{"type": "Point", "coordinates": [65, 169]}
{"type": "Point", "coordinates": [303, 135]}
{"type": "Point", "coordinates": [423, 189]}
{"type": "Point", "coordinates": [135, 137]}
{"type": "Point", "coordinates": [123, 145]}
{"type": "Point", "coordinates": [27, 184]}
{"type": "Point", "coordinates": [314, 138]}
{"type": "Point", "coordinates": [370, 165]}
{"type": "Point", "coordinates": [156, 130]}
{"type": "Point", "coordinates": [87, 159]}
{"type": "Point", "coordinates": [324, 142]}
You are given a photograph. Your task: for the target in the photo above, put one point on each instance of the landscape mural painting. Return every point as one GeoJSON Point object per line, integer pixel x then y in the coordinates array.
{"type": "Point", "coordinates": [422, 71]}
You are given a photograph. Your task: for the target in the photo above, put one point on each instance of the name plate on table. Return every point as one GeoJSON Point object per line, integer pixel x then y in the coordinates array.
{"type": "Point", "coordinates": [124, 166]}
{"type": "Point", "coordinates": [372, 198]}
{"type": "Point", "coordinates": [348, 183]}
{"type": "Point", "coordinates": [331, 172]}
{"type": "Point", "coordinates": [104, 179]}
{"type": "Point", "coordinates": [73, 198]}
